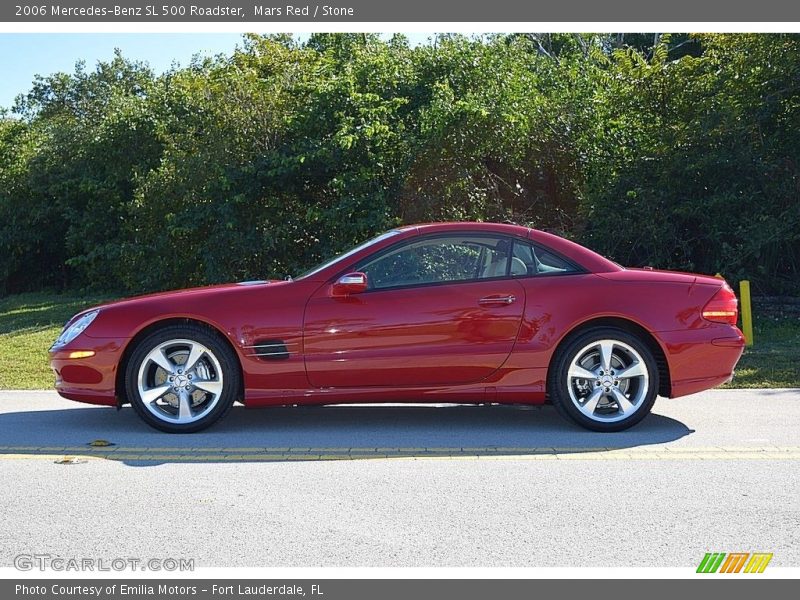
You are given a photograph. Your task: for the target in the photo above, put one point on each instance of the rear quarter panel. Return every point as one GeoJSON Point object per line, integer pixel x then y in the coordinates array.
{"type": "Point", "coordinates": [669, 308]}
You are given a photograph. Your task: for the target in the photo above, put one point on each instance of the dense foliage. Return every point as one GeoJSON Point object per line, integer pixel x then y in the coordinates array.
{"type": "Point", "coordinates": [673, 151]}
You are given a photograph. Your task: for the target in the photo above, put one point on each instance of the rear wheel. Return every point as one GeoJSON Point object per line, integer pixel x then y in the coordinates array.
{"type": "Point", "coordinates": [604, 379]}
{"type": "Point", "coordinates": [182, 378]}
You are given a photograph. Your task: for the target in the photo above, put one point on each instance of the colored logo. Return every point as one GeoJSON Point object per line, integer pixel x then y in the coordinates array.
{"type": "Point", "coordinates": [734, 562]}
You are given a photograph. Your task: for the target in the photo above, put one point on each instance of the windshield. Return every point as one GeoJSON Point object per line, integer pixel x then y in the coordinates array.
{"type": "Point", "coordinates": [349, 253]}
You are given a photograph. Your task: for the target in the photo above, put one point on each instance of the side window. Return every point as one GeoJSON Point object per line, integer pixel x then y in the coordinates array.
{"type": "Point", "coordinates": [528, 259]}
{"type": "Point", "coordinates": [437, 260]}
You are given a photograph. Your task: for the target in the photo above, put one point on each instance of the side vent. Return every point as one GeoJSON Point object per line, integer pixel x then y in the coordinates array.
{"type": "Point", "coordinates": [271, 350]}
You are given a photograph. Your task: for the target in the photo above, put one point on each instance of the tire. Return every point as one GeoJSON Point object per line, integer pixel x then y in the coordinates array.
{"type": "Point", "coordinates": [589, 391]}
{"type": "Point", "coordinates": [172, 398]}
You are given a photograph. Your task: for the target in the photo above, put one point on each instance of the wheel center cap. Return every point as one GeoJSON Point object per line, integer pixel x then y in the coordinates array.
{"type": "Point", "coordinates": [180, 381]}
{"type": "Point", "coordinates": [607, 380]}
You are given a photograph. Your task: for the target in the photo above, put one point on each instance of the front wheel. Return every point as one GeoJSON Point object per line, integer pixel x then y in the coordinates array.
{"type": "Point", "coordinates": [604, 379]}
{"type": "Point", "coordinates": [182, 378]}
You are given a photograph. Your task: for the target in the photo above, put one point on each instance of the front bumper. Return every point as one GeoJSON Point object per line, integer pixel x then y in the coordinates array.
{"type": "Point", "coordinates": [92, 379]}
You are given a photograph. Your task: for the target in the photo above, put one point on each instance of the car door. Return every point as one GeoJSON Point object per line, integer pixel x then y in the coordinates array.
{"type": "Point", "coordinates": [439, 310]}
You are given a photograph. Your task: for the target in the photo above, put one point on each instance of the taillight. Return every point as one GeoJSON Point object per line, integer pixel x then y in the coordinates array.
{"type": "Point", "coordinates": [723, 307]}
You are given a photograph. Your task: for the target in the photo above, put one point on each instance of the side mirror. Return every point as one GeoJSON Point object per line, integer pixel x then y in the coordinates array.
{"type": "Point", "coordinates": [352, 283]}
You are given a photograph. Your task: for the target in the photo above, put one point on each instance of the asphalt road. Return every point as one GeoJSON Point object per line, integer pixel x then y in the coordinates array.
{"type": "Point", "coordinates": [405, 485]}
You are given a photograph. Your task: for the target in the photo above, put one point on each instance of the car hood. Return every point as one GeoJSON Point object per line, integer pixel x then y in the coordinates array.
{"type": "Point", "coordinates": [187, 293]}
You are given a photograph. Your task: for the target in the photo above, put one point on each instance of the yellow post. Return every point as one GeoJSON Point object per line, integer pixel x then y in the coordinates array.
{"type": "Point", "coordinates": [747, 312]}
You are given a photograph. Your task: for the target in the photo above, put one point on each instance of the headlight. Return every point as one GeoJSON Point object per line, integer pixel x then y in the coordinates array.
{"type": "Point", "coordinates": [75, 329]}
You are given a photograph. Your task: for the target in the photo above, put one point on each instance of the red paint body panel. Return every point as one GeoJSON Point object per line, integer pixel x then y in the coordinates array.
{"type": "Point", "coordinates": [419, 336]}
{"type": "Point", "coordinates": [418, 344]}
{"type": "Point", "coordinates": [104, 363]}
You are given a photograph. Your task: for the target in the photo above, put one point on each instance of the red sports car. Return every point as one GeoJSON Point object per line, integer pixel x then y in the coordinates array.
{"type": "Point", "coordinates": [453, 312]}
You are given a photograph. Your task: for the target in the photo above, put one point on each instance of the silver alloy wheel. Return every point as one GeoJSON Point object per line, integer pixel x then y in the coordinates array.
{"type": "Point", "coordinates": [180, 381]}
{"type": "Point", "coordinates": [608, 380]}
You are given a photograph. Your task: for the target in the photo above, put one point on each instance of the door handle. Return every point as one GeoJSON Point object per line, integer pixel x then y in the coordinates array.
{"type": "Point", "coordinates": [497, 300]}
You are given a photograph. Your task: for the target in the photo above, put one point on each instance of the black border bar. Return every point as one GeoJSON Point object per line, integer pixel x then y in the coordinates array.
{"type": "Point", "coordinates": [344, 11]}
{"type": "Point", "coordinates": [396, 589]}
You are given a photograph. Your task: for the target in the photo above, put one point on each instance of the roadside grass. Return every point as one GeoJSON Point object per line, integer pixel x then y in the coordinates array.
{"type": "Point", "coordinates": [29, 323]}
{"type": "Point", "coordinates": [773, 361]}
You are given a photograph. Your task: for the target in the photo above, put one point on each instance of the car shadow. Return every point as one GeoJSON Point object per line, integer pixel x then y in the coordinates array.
{"type": "Point", "coordinates": [322, 433]}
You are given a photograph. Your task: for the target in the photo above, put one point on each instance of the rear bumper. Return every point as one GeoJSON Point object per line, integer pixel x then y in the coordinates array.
{"type": "Point", "coordinates": [701, 359]}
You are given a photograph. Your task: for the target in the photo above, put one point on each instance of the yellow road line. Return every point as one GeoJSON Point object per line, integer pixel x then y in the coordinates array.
{"type": "Point", "coordinates": [267, 454]}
